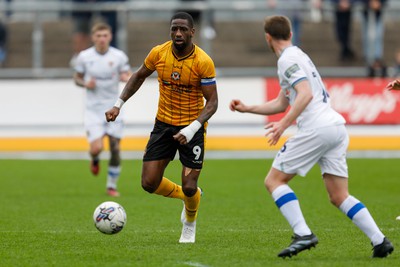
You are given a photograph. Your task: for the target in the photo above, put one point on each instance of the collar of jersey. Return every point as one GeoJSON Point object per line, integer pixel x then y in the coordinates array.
{"type": "Point", "coordinates": [283, 51]}
{"type": "Point", "coordinates": [101, 53]}
{"type": "Point", "coordinates": [185, 57]}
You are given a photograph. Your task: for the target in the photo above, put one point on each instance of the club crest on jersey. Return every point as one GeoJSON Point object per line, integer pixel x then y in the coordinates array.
{"type": "Point", "coordinates": [110, 63]}
{"type": "Point", "coordinates": [175, 76]}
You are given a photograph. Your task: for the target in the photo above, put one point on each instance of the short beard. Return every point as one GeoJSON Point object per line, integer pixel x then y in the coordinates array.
{"type": "Point", "coordinates": [180, 47]}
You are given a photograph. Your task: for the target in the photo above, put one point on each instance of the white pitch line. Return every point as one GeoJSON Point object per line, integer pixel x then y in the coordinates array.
{"type": "Point", "coordinates": [194, 264]}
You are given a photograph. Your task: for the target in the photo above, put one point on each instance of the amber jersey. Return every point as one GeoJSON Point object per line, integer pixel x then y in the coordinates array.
{"type": "Point", "coordinates": [180, 79]}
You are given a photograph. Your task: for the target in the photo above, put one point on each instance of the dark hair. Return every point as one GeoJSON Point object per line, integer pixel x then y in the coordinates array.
{"type": "Point", "coordinates": [183, 15]}
{"type": "Point", "coordinates": [279, 27]}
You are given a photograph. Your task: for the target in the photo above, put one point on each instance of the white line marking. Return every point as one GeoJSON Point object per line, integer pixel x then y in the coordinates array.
{"type": "Point", "coordinates": [194, 264]}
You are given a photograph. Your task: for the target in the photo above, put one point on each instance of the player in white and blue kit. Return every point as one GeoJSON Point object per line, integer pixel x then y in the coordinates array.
{"type": "Point", "coordinates": [321, 139]}
{"type": "Point", "coordinates": [99, 69]}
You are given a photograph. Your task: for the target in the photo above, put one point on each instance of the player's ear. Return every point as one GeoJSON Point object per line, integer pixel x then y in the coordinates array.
{"type": "Point", "coordinates": [268, 37]}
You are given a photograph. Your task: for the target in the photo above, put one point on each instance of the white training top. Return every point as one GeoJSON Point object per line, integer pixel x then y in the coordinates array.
{"type": "Point", "coordinates": [105, 69]}
{"type": "Point", "coordinates": [295, 66]}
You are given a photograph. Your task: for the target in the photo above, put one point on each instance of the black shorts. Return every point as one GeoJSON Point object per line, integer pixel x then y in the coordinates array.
{"type": "Point", "coordinates": [162, 145]}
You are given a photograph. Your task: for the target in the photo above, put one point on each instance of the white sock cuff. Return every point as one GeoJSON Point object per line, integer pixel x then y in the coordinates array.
{"type": "Point", "coordinates": [114, 171]}
{"type": "Point", "coordinates": [114, 168]}
{"type": "Point", "coordinates": [348, 203]}
{"type": "Point", "coordinates": [351, 206]}
{"type": "Point", "coordinates": [280, 191]}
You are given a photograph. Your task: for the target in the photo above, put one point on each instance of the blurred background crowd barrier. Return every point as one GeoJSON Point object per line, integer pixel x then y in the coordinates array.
{"type": "Point", "coordinates": [40, 44]}
{"type": "Point", "coordinates": [39, 34]}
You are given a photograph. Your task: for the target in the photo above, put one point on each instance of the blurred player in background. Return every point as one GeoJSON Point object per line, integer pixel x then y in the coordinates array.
{"type": "Point", "coordinates": [322, 138]}
{"type": "Point", "coordinates": [186, 76]}
{"type": "Point", "coordinates": [99, 69]}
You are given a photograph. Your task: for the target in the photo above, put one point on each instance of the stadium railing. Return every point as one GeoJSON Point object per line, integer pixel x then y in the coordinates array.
{"type": "Point", "coordinates": [38, 11]}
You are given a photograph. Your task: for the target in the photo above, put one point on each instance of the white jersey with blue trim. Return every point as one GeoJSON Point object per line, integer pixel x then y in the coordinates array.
{"type": "Point", "coordinates": [295, 66]}
{"type": "Point", "coordinates": [105, 69]}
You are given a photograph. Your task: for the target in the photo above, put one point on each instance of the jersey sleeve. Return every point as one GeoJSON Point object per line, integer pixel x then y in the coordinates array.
{"type": "Point", "coordinates": [79, 64]}
{"type": "Point", "coordinates": [290, 70]}
{"type": "Point", "coordinates": [151, 59]}
{"type": "Point", "coordinates": [207, 72]}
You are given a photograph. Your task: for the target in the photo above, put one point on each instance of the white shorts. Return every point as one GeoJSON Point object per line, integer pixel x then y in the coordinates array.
{"type": "Point", "coordinates": [97, 127]}
{"type": "Point", "coordinates": [326, 146]}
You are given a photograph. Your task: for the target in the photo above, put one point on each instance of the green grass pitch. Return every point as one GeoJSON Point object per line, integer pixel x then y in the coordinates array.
{"type": "Point", "coordinates": [47, 207]}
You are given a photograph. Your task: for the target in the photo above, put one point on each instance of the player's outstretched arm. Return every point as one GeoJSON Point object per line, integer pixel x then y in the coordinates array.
{"type": "Point", "coordinates": [237, 105]}
{"type": "Point", "coordinates": [131, 87]}
{"type": "Point", "coordinates": [135, 81]}
{"type": "Point", "coordinates": [393, 85]}
{"type": "Point", "coordinates": [277, 105]}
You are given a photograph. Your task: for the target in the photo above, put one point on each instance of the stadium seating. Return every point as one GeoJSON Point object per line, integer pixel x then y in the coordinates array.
{"type": "Point", "coordinates": [238, 44]}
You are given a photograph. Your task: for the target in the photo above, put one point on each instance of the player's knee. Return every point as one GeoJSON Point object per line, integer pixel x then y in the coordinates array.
{"type": "Point", "coordinates": [336, 200]}
{"type": "Point", "coordinates": [148, 187]}
{"type": "Point", "coordinates": [95, 150]}
{"type": "Point", "coordinates": [189, 190]}
{"type": "Point", "coordinates": [269, 184]}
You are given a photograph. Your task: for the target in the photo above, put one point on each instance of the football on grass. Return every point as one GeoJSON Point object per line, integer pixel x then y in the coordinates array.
{"type": "Point", "coordinates": [109, 217]}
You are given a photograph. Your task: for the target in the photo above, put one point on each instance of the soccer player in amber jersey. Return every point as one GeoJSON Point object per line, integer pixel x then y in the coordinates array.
{"type": "Point", "coordinates": [186, 77]}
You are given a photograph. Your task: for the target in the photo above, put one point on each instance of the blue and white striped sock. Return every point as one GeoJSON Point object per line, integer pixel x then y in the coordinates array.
{"type": "Point", "coordinates": [113, 175]}
{"type": "Point", "coordinates": [361, 217]}
{"type": "Point", "coordinates": [289, 206]}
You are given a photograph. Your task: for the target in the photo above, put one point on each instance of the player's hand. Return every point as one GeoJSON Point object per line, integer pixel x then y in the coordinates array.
{"type": "Point", "coordinates": [393, 85]}
{"type": "Point", "coordinates": [186, 134]}
{"type": "Point", "coordinates": [180, 138]}
{"type": "Point", "coordinates": [237, 105]}
{"type": "Point", "coordinates": [274, 132]}
{"type": "Point", "coordinates": [124, 77]}
{"type": "Point", "coordinates": [112, 114]}
{"type": "Point", "coordinates": [91, 84]}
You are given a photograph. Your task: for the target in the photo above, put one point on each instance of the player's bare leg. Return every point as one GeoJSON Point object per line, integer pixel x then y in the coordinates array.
{"type": "Point", "coordinates": [95, 149]}
{"type": "Point", "coordinates": [152, 175]}
{"type": "Point", "coordinates": [114, 167]}
{"type": "Point", "coordinates": [337, 188]}
{"type": "Point", "coordinates": [153, 180]}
